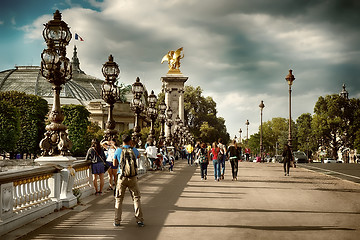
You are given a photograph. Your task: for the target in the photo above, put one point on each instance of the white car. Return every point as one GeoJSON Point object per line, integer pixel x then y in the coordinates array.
{"type": "Point", "coordinates": [331, 160]}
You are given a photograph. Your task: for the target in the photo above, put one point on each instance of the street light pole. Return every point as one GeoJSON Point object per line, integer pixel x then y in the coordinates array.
{"type": "Point", "coordinates": [152, 113]}
{"type": "Point", "coordinates": [137, 106]}
{"type": "Point", "coordinates": [56, 68]}
{"type": "Point", "coordinates": [110, 94]}
{"type": "Point", "coordinates": [169, 123]}
{"type": "Point", "coordinates": [290, 79]}
{"type": "Point", "coordinates": [162, 118]}
{"type": "Point", "coordinates": [247, 129]}
{"type": "Point", "coordinates": [261, 106]}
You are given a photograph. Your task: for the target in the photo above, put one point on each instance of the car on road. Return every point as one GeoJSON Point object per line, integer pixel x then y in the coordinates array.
{"type": "Point", "coordinates": [331, 160]}
{"type": "Point", "coordinates": [300, 157]}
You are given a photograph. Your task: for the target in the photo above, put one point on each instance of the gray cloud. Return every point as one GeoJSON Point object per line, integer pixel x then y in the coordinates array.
{"type": "Point", "coordinates": [239, 52]}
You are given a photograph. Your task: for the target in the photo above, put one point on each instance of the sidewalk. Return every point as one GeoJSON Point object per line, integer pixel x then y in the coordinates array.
{"type": "Point", "coordinates": [262, 204]}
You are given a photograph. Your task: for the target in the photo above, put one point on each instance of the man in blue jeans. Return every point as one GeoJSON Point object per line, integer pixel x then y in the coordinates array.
{"type": "Point", "coordinates": [126, 182]}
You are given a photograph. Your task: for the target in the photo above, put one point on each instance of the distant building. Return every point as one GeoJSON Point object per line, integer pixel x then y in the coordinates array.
{"type": "Point", "coordinates": [82, 89]}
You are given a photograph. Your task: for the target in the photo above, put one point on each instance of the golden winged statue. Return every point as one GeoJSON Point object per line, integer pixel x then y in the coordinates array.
{"type": "Point", "coordinates": [173, 59]}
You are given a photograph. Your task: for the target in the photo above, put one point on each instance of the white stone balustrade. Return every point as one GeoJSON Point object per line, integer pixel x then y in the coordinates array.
{"type": "Point", "coordinates": [28, 194]}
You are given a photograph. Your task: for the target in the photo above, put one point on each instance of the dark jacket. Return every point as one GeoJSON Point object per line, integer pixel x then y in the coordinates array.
{"type": "Point", "coordinates": [233, 152]}
{"type": "Point", "coordinates": [287, 155]}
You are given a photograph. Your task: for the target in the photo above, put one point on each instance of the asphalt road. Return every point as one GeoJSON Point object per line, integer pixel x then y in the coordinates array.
{"type": "Point", "coordinates": [346, 171]}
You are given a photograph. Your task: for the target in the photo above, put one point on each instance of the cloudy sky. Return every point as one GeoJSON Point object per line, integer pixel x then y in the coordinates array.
{"type": "Point", "coordinates": [237, 51]}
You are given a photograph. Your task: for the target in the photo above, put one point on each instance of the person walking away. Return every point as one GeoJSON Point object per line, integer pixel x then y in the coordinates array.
{"type": "Point", "coordinates": [203, 156]}
{"type": "Point", "coordinates": [97, 157]}
{"type": "Point", "coordinates": [234, 153]}
{"type": "Point", "coordinates": [151, 153]}
{"type": "Point", "coordinates": [214, 153]}
{"type": "Point", "coordinates": [111, 147]}
{"type": "Point", "coordinates": [125, 158]}
{"type": "Point", "coordinates": [222, 157]}
{"type": "Point", "coordinates": [287, 156]}
{"type": "Point", "coordinates": [171, 160]}
{"type": "Point", "coordinates": [189, 150]}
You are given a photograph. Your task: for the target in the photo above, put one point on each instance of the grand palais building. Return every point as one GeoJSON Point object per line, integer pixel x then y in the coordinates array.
{"type": "Point", "coordinates": [82, 89]}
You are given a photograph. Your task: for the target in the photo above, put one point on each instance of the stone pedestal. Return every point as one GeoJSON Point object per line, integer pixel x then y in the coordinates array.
{"type": "Point", "coordinates": [67, 177]}
{"type": "Point", "coordinates": [173, 86]}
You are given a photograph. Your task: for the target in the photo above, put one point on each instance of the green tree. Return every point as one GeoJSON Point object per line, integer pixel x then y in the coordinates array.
{"type": "Point", "coordinates": [198, 110]}
{"type": "Point", "coordinates": [333, 115]}
{"type": "Point", "coordinates": [306, 140]}
{"type": "Point", "coordinates": [32, 112]}
{"type": "Point", "coordinates": [77, 121]}
{"type": "Point", "coordinates": [275, 135]}
{"type": "Point", "coordinates": [9, 127]}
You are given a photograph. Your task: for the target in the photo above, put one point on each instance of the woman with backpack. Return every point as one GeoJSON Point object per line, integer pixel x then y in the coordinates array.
{"type": "Point", "coordinates": [234, 154]}
{"type": "Point", "coordinates": [214, 154]}
{"type": "Point", "coordinates": [203, 157]}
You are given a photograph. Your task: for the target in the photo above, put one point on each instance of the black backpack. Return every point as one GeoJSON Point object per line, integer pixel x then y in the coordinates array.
{"type": "Point", "coordinates": [128, 162]}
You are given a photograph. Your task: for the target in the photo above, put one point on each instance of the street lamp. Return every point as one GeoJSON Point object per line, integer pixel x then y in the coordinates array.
{"type": "Point", "coordinates": [261, 106]}
{"type": "Point", "coordinates": [137, 106]}
{"type": "Point", "coordinates": [247, 129]}
{"type": "Point", "coordinates": [290, 79]}
{"type": "Point", "coordinates": [110, 94]}
{"type": "Point", "coordinates": [152, 113]}
{"type": "Point", "coordinates": [169, 123]}
{"type": "Point", "coordinates": [56, 68]}
{"type": "Point", "coordinates": [240, 131]}
{"type": "Point", "coordinates": [162, 118]}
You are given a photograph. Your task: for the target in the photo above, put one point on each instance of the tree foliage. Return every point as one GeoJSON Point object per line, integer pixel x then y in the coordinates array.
{"type": "Point", "coordinates": [200, 116]}
{"type": "Point", "coordinates": [9, 127]}
{"type": "Point", "coordinates": [32, 111]}
{"type": "Point", "coordinates": [77, 121]}
{"type": "Point", "coordinates": [332, 115]}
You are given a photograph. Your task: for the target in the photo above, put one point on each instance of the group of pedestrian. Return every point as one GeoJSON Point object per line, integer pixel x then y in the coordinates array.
{"type": "Point", "coordinates": [218, 154]}
{"type": "Point", "coordinates": [122, 173]}
{"type": "Point", "coordinates": [159, 156]}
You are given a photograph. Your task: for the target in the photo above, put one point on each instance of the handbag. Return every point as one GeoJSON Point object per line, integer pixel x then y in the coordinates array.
{"type": "Point", "coordinates": [106, 164]}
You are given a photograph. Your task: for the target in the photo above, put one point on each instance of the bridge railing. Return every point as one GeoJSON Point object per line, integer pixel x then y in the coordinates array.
{"type": "Point", "coordinates": [28, 194]}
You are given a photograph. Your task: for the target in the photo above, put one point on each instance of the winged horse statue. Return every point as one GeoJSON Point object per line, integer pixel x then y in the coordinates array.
{"type": "Point", "coordinates": [173, 59]}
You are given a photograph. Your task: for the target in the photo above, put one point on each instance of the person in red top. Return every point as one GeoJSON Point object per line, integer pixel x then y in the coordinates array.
{"type": "Point", "coordinates": [214, 154]}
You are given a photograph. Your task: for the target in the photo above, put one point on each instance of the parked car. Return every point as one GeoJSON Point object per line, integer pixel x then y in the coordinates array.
{"type": "Point", "coordinates": [329, 160]}
{"type": "Point", "coordinates": [300, 157]}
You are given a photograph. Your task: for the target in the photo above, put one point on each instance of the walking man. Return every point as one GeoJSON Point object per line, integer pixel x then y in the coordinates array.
{"type": "Point", "coordinates": [125, 158]}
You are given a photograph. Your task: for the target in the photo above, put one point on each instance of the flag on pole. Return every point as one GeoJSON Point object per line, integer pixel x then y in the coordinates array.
{"type": "Point", "coordinates": [77, 37]}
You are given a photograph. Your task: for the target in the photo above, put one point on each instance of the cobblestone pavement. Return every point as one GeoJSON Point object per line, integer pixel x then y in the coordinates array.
{"type": "Point", "coordinates": [262, 204]}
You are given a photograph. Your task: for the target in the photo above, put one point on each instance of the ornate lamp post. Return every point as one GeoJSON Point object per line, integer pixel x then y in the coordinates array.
{"type": "Point", "coordinates": [261, 106]}
{"type": "Point", "coordinates": [290, 79]}
{"type": "Point", "coordinates": [240, 131]}
{"type": "Point", "coordinates": [152, 113]}
{"type": "Point", "coordinates": [162, 118]}
{"type": "Point", "coordinates": [169, 123]}
{"type": "Point", "coordinates": [137, 106]}
{"type": "Point", "coordinates": [247, 129]}
{"type": "Point", "coordinates": [110, 94]}
{"type": "Point", "coordinates": [56, 68]}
